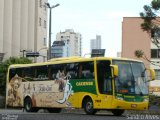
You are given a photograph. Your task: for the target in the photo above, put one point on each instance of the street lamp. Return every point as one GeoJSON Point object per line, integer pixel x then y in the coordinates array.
{"type": "Point", "coordinates": [49, 43]}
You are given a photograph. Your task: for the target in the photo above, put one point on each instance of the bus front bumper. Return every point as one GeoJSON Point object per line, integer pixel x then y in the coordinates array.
{"type": "Point", "coordinates": [121, 104]}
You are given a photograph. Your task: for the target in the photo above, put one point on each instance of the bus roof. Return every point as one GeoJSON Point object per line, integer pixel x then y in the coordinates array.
{"type": "Point", "coordinates": [69, 60]}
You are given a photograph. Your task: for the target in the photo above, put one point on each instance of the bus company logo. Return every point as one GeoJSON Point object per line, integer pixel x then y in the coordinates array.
{"type": "Point", "coordinates": [84, 83]}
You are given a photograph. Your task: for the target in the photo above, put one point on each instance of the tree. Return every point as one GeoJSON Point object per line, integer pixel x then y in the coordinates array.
{"type": "Point", "coordinates": [151, 21]}
{"type": "Point", "coordinates": [4, 67]}
{"type": "Point", "coordinates": [141, 54]}
{"type": "Point", "coordinates": [151, 25]}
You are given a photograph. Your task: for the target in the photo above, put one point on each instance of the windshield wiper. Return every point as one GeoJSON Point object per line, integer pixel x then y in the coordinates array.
{"type": "Point", "coordinates": [140, 90]}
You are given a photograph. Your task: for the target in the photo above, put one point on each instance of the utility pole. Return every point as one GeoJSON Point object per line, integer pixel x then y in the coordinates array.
{"type": "Point", "coordinates": [50, 16]}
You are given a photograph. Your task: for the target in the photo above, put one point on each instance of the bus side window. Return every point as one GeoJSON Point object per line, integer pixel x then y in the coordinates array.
{"type": "Point", "coordinates": [53, 76]}
{"type": "Point", "coordinates": [41, 73]}
{"type": "Point", "coordinates": [15, 71]}
{"type": "Point", "coordinates": [87, 70]}
{"type": "Point", "coordinates": [55, 69]}
{"type": "Point", "coordinates": [28, 73]}
{"type": "Point", "coordinates": [12, 73]}
{"type": "Point", "coordinates": [72, 70]}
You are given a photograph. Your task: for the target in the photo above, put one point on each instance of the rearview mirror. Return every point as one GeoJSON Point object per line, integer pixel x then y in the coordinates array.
{"type": "Point", "coordinates": [151, 73]}
{"type": "Point", "coordinates": [115, 70]}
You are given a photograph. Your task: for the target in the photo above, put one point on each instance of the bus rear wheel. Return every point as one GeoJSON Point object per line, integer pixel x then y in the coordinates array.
{"type": "Point", "coordinates": [54, 110]}
{"type": "Point", "coordinates": [28, 106]}
{"type": "Point", "coordinates": [88, 106]}
{"type": "Point", "coordinates": [117, 112]}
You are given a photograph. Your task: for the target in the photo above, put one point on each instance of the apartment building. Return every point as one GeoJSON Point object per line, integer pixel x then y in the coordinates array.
{"type": "Point", "coordinates": [74, 41]}
{"type": "Point", "coordinates": [60, 49]}
{"type": "Point", "coordinates": [23, 27]}
{"type": "Point", "coordinates": [95, 43]}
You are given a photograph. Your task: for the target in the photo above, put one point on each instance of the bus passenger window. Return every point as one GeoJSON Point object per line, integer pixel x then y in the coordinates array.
{"type": "Point", "coordinates": [41, 73]}
{"type": "Point", "coordinates": [12, 73]}
{"type": "Point", "coordinates": [72, 70]}
{"type": "Point", "coordinates": [87, 70]}
{"type": "Point", "coordinates": [28, 73]}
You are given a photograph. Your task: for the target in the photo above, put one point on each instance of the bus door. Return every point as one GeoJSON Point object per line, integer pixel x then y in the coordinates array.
{"type": "Point", "coordinates": [104, 79]}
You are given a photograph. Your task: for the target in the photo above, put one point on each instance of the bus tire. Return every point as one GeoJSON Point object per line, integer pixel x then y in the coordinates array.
{"type": "Point", "coordinates": [117, 112]}
{"type": "Point", "coordinates": [54, 110]}
{"type": "Point", "coordinates": [88, 106]}
{"type": "Point", "coordinates": [28, 106]}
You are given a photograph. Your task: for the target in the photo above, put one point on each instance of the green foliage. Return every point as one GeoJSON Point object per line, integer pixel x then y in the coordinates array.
{"type": "Point", "coordinates": [154, 100]}
{"type": "Point", "coordinates": [156, 4]}
{"type": "Point", "coordinates": [4, 67]}
{"type": "Point", "coordinates": [139, 53]}
{"type": "Point", "coordinates": [151, 23]}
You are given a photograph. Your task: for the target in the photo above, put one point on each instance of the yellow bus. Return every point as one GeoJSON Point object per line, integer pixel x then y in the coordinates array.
{"type": "Point", "coordinates": [99, 83]}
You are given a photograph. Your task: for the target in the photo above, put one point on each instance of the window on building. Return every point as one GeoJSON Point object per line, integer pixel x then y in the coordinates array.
{"type": "Point", "coordinates": [155, 53]}
{"type": "Point", "coordinates": [40, 21]}
{"type": "Point", "coordinates": [155, 34]}
{"type": "Point", "coordinates": [45, 24]}
{"type": "Point", "coordinates": [45, 7]}
{"type": "Point", "coordinates": [44, 41]}
{"type": "Point", "coordinates": [40, 3]}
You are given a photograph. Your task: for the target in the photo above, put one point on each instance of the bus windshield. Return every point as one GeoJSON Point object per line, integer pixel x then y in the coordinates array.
{"type": "Point", "coordinates": [131, 78]}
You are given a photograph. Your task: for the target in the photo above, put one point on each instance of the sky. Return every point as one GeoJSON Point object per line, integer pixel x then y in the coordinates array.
{"type": "Point", "coordinates": [95, 17]}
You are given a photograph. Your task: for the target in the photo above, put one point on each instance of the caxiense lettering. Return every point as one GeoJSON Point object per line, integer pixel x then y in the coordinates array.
{"type": "Point", "coordinates": [84, 83]}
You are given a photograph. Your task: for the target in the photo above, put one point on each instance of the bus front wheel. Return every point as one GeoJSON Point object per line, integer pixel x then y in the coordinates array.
{"type": "Point", "coordinates": [88, 106]}
{"type": "Point", "coordinates": [117, 112]}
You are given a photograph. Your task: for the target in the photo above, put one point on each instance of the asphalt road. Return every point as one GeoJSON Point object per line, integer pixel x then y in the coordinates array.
{"type": "Point", "coordinates": [14, 114]}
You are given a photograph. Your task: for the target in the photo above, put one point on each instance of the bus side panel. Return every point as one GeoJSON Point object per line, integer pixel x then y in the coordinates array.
{"type": "Point", "coordinates": [46, 94]}
{"type": "Point", "coordinates": [42, 93]}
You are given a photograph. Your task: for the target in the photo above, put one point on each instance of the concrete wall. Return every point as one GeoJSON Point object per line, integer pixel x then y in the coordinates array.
{"type": "Point", "coordinates": [1, 24]}
{"type": "Point", "coordinates": [19, 28]}
{"type": "Point", "coordinates": [134, 38]}
{"type": "Point", "coordinates": [16, 12]}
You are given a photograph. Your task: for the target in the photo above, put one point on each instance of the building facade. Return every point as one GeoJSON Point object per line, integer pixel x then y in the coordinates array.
{"type": "Point", "coordinates": [74, 41]}
{"type": "Point", "coordinates": [60, 49]}
{"type": "Point", "coordinates": [95, 43]}
{"type": "Point", "coordinates": [23, 27]}
{"type": "Point", "coordinates": [134, 38]}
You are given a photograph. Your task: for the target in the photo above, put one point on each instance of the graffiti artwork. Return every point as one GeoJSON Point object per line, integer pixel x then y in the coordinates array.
{"type": "Point", "coordinates": [45, 93]}
{"type": "Point", "coordinates": [14, 91]}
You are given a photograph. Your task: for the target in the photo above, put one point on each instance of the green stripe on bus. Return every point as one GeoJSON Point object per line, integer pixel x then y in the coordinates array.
{"type": "Point", "coordinates": [83, 85]}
